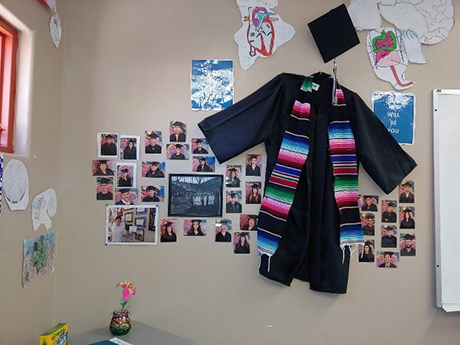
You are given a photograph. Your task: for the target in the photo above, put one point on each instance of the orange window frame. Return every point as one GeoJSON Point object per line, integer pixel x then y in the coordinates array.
{"type": "Point", "coordinates": [8, 52]}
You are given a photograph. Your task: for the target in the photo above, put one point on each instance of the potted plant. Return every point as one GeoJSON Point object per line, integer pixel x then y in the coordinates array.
{"type": "Point", "coordinates": [121, 321]}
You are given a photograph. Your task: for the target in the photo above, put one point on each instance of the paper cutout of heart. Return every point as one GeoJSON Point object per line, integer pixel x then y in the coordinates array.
{"type": "Point", "coordinates": [55, 29]}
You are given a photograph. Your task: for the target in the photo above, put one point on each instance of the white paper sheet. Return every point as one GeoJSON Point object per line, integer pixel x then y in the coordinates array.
{"type": "Point", "coordinates": [16, 185]}
{"type": "Point", "coordinates": [388, 59]}
{"type": "Point", "coordinates": [263, 31]}
{"type": "Point", "coordinates": [365, 14]}
{"type": "Point", "coordinates": [55, 29]}
{"type": "Point", "coordinates": [44, 206]}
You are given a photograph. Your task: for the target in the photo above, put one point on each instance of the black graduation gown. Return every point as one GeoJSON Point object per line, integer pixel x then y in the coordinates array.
{"type": "Point", "coordinates": [309, 248]}
{"type": "Point", "coordinates": [153, 149]}
{"type": "Point", "coordinates": [108, 149]}
{"type": "Point", "coordinates": [130, 153]}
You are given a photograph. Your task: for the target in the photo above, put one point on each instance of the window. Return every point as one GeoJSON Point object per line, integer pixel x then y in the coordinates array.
{"type": "Point", "coordinates": [8, 50]}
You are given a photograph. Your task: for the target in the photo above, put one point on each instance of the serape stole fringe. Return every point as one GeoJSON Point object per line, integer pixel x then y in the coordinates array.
{"type": "Point", "coordinates": [282, 184]}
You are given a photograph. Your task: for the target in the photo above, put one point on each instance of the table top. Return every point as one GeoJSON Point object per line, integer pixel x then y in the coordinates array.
{"type": "Point", "coordinates": [140, 334]}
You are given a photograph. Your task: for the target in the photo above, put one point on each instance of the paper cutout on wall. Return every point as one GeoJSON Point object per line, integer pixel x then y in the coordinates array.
{"type": "Point", "coordinates": [1, 180]}
{"type": "Point", "coordinates": [397, 113]}
{"type": "Point", "coordinates": [211, 84]}
{"type": "Point", "coordinates": [430, 20]}
{"type": "Point", "coordinates": [44, 206]}
{"type": "Point", "coordinates": [55, 29]}
{"type": "Point", "coordinates": [51, 4]}
{"type": "Point", "coordinates": [16, 185]}
{"type": "Point", "coordinates": [263, 31]}
{"type": "Point", "coordinates": [39, 254]}
{"type": "Point", "coordinates": [388, 58]}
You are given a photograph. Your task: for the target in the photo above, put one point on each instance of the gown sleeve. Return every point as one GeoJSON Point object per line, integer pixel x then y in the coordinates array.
{"type": "Point", "coordinates": [249, 122]}
{"type": "Point", "coordinates": [378, 152]}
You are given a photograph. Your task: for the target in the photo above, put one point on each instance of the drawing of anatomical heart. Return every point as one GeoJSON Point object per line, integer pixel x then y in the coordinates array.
{"type": "Point", "coordinates": [263, 31]}
{"type": "Point", "coordinates": [388, 56]}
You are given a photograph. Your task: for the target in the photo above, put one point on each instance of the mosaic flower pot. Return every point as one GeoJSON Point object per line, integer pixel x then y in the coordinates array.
{"type": "Point", "coordinates": [121, 322]}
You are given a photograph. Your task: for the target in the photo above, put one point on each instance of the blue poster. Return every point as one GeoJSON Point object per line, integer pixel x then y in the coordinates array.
{"type": "Point", "coordinates": [211, 84]}
{"type": "Point", "coordinates": [397, 113]}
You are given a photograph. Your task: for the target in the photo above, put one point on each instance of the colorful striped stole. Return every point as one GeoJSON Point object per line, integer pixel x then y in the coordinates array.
{"type": "Point", "coordinates": [282, 184]}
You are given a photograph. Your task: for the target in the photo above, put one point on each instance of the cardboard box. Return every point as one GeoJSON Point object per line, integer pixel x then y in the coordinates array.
{"type": "Point", "coordinates": [55, 336]}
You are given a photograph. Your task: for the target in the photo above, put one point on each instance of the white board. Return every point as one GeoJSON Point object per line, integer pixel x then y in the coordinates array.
{"type": "Point", "coordinates": [446, 156]}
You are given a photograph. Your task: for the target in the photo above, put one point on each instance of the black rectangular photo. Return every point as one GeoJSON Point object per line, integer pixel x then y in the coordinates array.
{"type": "Point", "coordinates": [195, 195]}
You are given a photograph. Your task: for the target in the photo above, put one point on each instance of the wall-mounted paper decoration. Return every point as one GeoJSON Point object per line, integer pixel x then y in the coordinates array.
{"type": "Point", "coordinates": [44, 206]}
{"type": "Point", "coordinates": [388, 57]}
{"type": "Point", "coordinates": [397, 113]}
{"type": "Point", "coordinates": [418, 22]}
{"type": "Point", "coordinates": [51, 4]}
{"type": "Point", "coordinates": [263, 31]}
{"type": "Point", "coordinates": [55, 29]}
{"type": "Point", "coordinates": [39, 254]}
{"type": "Point", "coordinates": [16, 185]}
{"type": "Point", "coordinates": [211, 84]}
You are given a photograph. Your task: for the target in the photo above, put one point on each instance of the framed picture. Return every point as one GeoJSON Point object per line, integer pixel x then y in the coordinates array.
{"type": "Point", "coordinates": [195, 195]}
{"type": "Point", "coordinates": [141, 221]}
{"type": "Point", "coordinates": [119, 229]}
{"type": "Point", "coordinates": [141, 210]}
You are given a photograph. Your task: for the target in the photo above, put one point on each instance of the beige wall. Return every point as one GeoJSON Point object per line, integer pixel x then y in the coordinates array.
{"type": "Point", "coordinates": [27, 312]}
{"type": "Point", "coordinates": [126, 69]}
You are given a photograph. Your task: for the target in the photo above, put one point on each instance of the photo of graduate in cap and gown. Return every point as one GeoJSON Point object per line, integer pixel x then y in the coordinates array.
{"type": "Point", "coordinates": [408, 245]}
{"type": "Point", "coordinates": [104, 186]}
{"type": "Point", "coordinates": [199, 148]}
{"type": "Point", "coordinates": [233, 206]}
{"type": "Point", "coordinates": [151, 194]}
{"type": "Point", "coordinates": [389, 216]}
{"type": "Point", "coordinates": [406, 195]}
{"type": "Point", "coordinates": [177, 132]}
{"type": "Point", "coordinates": [177, 155]}
{"type": "Point", "coordinates": [108, 146]}
{"type": "Point", "coordinates": [153, 138]}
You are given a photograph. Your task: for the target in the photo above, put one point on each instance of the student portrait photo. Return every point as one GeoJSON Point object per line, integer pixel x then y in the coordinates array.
{"type": "Point", "coordinates": [129, 147]}
{"type": "Point", "coordinates": [389, 239]}
{"type": "Point", "coordinates": [387, 259]}
{"type": "Point", "coordinates": [195, 227]}
{"type": "Point", "coordinates": [126, 174]}
{"type": "Point", "coordinates": [126, 196]}
{"type": "Point", "coordinates": [366, 252]}
{"type": "Point", "coordinates": [253, 193]}
{"type": "Point", "coordinates": [200, 146]}
{"type": "Point", "coordinates": [233, 204]}
{"type": "Point", "coordinates": [153, 169]}
{"type": "Point", "coordinates": [406, 192]}
{"type": "Point", "coordinates": [177, 151]}
{"type": "Point", "coordinates": [248, 222]}
{"type": "Point", "coordinates": [152, 142]}
{"type": "Point", "coordinates": [388, 213]}
{"type": "Point", "coordinates": [104, 189]}
{"type": "Point", "coordinates": [241, 243]}
{"type": "Point", "coordinates": [253, 164]}
{"type": "Point", "coordinates": [368, 224]}
{"type": "Point", "coordinates": [168, 230]}
{"type": "Point", "coordinates": [406, 217]}
{"type": "Point", "coordinates": [222, 230]}
{"type": "Point", "coordinates": [108, 144]}
{"type": "Point", "coordinates": [103, 167]}
{"type": "Point", "coordinates": [177, 131]}
{"type": "Point", "coordinates": [407, 244]}
{"type": "Point", "coordinates": [369, 203]}
{"type": "Point", "coordinates": [203, 164]}
{"type": "Point", "coordinates": [152, 193]}
{"type": "Point", "coordinates": [232, 176]}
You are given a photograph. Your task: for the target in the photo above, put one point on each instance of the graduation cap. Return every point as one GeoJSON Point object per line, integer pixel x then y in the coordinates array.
{"type": "Point", "coordinates": [168, 224]}
{"type": "Point", "coordinates": [368, 243]}
{"type": "Point", "coordinates": [178, 146]}
{"type": "Point", "coordinates": [388, 253]}
{"type": "Point", "coordinates": [370, 216]}
{"type": "Point", "coordinates": [155, 163]}
{"type": "Point", "coordinates": [202, 159]}
{"type": "Point", "coordinates": [409, 237]}
{"type": "Point", "coordinates": [104, 181]}
{"type": "Point", "coordinates": [232, 170]}
{"type": "Point", "coordinates": [179, 124]}
{"type": "Point", "coordinates": [103, 161]}
{"type": "Point", "coordinates": [407, 210]}
{"type": "Point", "coordinates": [153, 135]}
{"type": "Point", "coordinates": [367, 196]}
{"type": "Point", "coordinates": [124, 190]}
{"type": "Point", "coordinates": [125, 170]}
{"type": "Point", "coordinates": [334, 33]}
{"type": "Point", "coordinates": [198, 141]}
{"type": "Point", "coordinates": [196, 221]}
{"type": "Point", "coordinates": [407, 184]}
{"type": "Point", "coordinates": [151, 188]}
{"type": "Point", "coordinates": [255, 185]}
{"type": "Point", "coordinates": [388, 227]}
{"type": "Point", "coordinates": [232, 195]}
{"type": "Point", "coordinates": [391, 204]}
{"type": "Point", "coordinates": [109, 136]}
{"type": "Point", "coordinates": [131, 141]}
